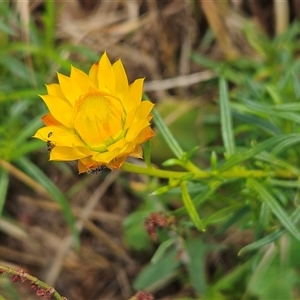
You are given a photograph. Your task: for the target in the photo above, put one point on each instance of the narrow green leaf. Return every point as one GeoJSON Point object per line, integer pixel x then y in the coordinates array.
{"type": "Point", "coordinates": [284, 183]}
{"type": "Point", "coordinates": [167, 135]}
{"type": "Point", "coordinates": [244, 210]}
{"type": "Point", "coordinates": [17, 94]}
{"type": "Point", "coordinates": [275, 207]}
{"type": "Point", "coordinates": [274, 93]}
{"type": "Point", "coordinates": [229, 73]}
{"type": "Point", "coordinates": [4, 180]}
{"type": "Point", "coordinates": [254, 120]}
{"type": "Point", "coordinates": [147, 153]}
{"type": "Point", "coordinates": [172, 162]}
{"type": "Point", "coordinates": [157, 274]}
{"type": "Point", "coordinates": [288, 107]}
{"type": "Point", "coordinates": [9, 30]}
{"type": "Point", "coordinates": [162, 248]}
{"type": "Point", "coordinates": [294, 140]}
{"type": "Point", "coordinates": [296, 84]}
{"type": "Point", "coordinates": [196, 267]}
{"type": "Point", "coordinates": [49, 23]}
{"type": "Point", "coordinates": [268, 111]}
{"type": "Point", "coordinates": [295, 217]}
{"type": "Point", "coordinates": [27, 131]}
{"type": "Point", "coordinates": [264, 217]}
{"type": "Point", "coordinates": [15, 66]}
{"type": "Point", "coordinates": [28, 147]}
{"type": "Point", "coordinates": [37, 174]}
{"type": "Point", "coordinates": [233, 277]}
{"type": "Point", "coordinates": [276, 162]}
{"type": "Point", "coordinates": [190, 207]}
{"type": "Point", "coordinates": [262, 242]}
{"type": "Point", "coordinates": [226, 118]}
{"type": "Point", "coordinates": [221, 215]}
{"type": "Point", "coordinates": [245, 155]}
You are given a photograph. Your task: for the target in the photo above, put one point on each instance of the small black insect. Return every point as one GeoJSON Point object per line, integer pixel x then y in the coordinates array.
{"type": "Point", "coordinates": [95, 170]}
{"type": "Point", "coordinates": [49, 145]}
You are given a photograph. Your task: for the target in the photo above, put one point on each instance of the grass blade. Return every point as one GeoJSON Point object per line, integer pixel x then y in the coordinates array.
{"type": "Point", "coordinates": [275, 207]}
{"type": "Point", "coordinates": [226, 118]}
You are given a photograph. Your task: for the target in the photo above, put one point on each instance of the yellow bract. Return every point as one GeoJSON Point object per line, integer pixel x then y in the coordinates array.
{"type": "Point", "coordinates": [97, 119]}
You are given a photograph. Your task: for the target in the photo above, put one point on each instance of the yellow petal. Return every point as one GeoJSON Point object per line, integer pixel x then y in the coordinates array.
{"type": "Point", "coordinates": [68, 153]}
{"type": "Point", "coordinates": [137, 153]}
{"type": "Point", "coordinates": [49, 120]}
{"type": "Point", "coordinates": [42, 133]}
{"type": "Point", "coordinates": [129, 118]}
{"type": "Point", "coordinates": [135, 129]}
{"type": "Point", "coordinates": [93, 73]}
{"type": "Point", "coordinates": [84, 165]}
{"type": "Point", "coordinates": [82, 80]}
{"type": "Point", "coordinates": [135, 95]}
{"type": "Point", "coordinates": [54, 89]}
{"type": "Point", "coordinates": [117, 163]}
{"type": "Point", "coordinates": [117, 145]}
{"type": "Point", "coordinates": [69, 88]}
{"type": "Point", "coordinates": [122, 88]}
{"type": "Point", "coordinates": [146, 134]}
{"type": "Point", "coordinates": [143, 110]}
{"type": "Point", "coordinates": [106, 74]}
{"type": "Point", "coordinates": [59, 109]}
{"type": "Point", "coordinates": [105, 157]}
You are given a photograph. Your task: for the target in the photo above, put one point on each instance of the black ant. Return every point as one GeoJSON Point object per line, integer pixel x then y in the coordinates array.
{"type": "Point", "coordinates": [49, 145]}
{"type": "Point", "coordinates": [96, 170]}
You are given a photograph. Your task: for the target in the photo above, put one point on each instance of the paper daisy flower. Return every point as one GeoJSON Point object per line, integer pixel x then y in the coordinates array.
{"type": "Point", "coordinates": [96, 118]}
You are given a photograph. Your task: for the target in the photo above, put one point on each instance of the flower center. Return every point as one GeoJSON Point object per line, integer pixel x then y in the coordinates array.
{"type": "Point", "coordinates": [98, 119]}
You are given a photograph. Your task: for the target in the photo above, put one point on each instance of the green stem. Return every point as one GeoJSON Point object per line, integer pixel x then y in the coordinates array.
{"type": "Point", "coordinates": [200, 175]}
{"type": "Point", "coordinates": [128, 167]}
{"type": "Point", "coordinates": [229, 174]}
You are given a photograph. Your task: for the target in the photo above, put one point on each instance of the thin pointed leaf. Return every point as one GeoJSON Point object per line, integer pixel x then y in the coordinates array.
{"type": "Point", "coordinates": [27, 131]}
{"type": "Point", "coordinates": [286, 144]}
{"type": "Point", "coordinates": [190, 207]}
{"type": "Point", "coordinates": [167, 135]}
{"type": "Point", "coordinates": [4, 180]}
{"type": "Point", "coordinates": [245, 155]}
{"type": "Point", "coordinates": [159, 273]}
{"type": "Point", "coordinates": [294, 217]}
{"type": "Point", "coordinates": [296, 84]}
{"type": "Point", "coordinates": [226, 118]}
{"type": "Point", "coordinates": [161, 250]}
{"type": "Point", "coordinates": [275, 207]}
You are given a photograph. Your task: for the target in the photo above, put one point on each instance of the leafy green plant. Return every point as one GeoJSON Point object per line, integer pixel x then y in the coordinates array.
{"type": "Point", "coordinates": [251, 183]}
{"type": "Point", "coordinates": [242, 183]}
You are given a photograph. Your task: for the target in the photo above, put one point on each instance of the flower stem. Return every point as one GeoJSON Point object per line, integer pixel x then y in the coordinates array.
{"type": "Point", "coordinates": [239, 172]}
{"type": "Point", "coordinates": [128, 167]}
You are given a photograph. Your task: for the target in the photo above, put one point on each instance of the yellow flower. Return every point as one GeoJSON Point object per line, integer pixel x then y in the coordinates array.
{"type": "Point", "coordinates": [97, 119]}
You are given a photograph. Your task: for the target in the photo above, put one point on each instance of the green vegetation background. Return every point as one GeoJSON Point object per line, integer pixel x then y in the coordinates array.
{"type": "Point", "coordinates": [244, 121]}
